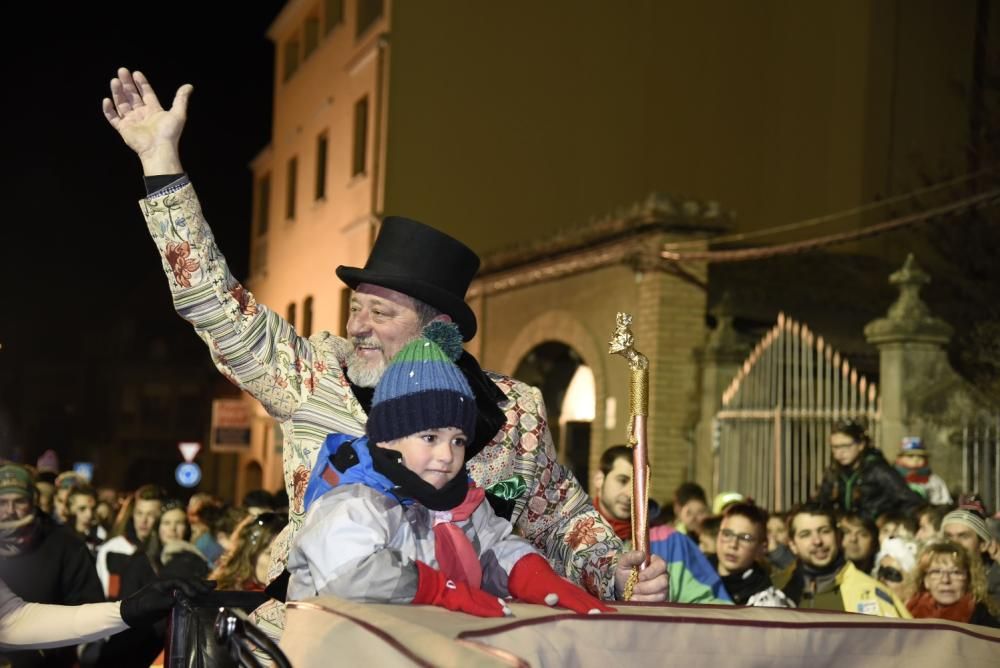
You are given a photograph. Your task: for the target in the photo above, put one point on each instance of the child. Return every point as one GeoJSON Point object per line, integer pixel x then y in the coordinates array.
{"type": "Point", "coordinates": [401, 522]}
{"type": "Point", "coordinates": [912, 465]}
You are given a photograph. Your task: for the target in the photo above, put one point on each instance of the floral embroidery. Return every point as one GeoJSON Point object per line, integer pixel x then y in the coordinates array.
{"type": "Point", "coordinates": [248, 305]}
{"type": "Point", "coordinates": [310, 384]}
{"type": "Point", "coordinates": [300, 479]}
{"type": "Point", "coordinates": [280, 380]}
{"type": "Point", "coordinates": [320, 366]}
{"type": "Point", "coordinates": [180, 263]}
{"type": "Point", "coordinates": [584, 533]}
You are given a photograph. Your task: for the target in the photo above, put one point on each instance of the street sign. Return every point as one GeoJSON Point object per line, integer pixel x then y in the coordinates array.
{"type": "Point", "coordinates": [189, 450]}
{"type": "Point", "coordinates": [230, 425]}
{"type": "Point", "coordinates": [187, 474]}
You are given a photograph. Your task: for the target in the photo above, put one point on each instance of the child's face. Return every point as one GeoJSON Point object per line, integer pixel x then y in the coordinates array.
{"type": "Point", "coordinates": [913, 461]}
{"type": "Point", "coordinates": [436, 455]}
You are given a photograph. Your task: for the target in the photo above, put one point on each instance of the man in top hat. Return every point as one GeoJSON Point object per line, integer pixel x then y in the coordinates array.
{"type": "Point", "coordinates": [313, 387]}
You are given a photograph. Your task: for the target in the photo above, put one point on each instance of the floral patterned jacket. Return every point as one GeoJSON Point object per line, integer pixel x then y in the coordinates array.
{"type": "Point", "coordinates": [301, 383]}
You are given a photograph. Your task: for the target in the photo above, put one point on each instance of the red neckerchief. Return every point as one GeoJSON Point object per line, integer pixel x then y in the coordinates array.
{"type": "Point", "coordinates": [622, 528]}
{"type": "Point", "coordinates": [923, 605]}
{"type": "Point", "coordinates": [455, 555]}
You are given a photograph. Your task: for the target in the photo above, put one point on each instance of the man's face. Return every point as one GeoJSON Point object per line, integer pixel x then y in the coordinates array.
{"type": "Point", "coordinates": [14, 506]}
{"type": "Point", "coordinates": [60, 507]}
{"type": "Point", "coordinates": [845, 450]}
{"type": "Point", "coordinates": [82, 507]}
{"type": "Point", "coordinates": [813, 540]}
{"type": "Point", "coordinates": [46, 496]}
{"type": "Point", "coordinates": [739, 543]}
{"type": "Point", "coordinates": [615, 495]}
{"type": "Point", "coordinates": [926, 531]}
{"type": "Point", "coordinates": [857, 542]}
{"type": "Point", "coordinates": [691, 514]}
{"type": "Point", "coordinates": [777, 533]}
{"type": "Point", "coordinates": [144, 517]}
{"type": "Point", "coordinates": [964, 536]}
{"type": "Point", "coordinates": [382, 321]}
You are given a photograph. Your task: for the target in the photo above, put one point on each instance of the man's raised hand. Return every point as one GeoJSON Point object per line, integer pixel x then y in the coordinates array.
{"type": "Point", "coordinates": [148, 129]}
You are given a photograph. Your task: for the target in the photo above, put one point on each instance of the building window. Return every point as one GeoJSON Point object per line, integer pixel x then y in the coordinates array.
{"type": "Point", "coordinates": [291, 58]}
{"type": "Point", "coordinates": [321, 150]}
{"type": "Point", "coordinates": [360, 136]}
{"type": "Point", "coordinates": [369, 11]}
{"type": "Point", "coordinates": [345, 309]}
{"type": "Point", "coordinates": [263, 204]}
{"type": "Point", "coordinates": [333, 15]}
{"type": "Point", "coordinates": [311, 34]}
{"type": "Point", "coordinates": [293, 172]}
{"type": "Point", "coordinates": [290, 315]}
{"type": "Point", "coordinates": [307, 316]}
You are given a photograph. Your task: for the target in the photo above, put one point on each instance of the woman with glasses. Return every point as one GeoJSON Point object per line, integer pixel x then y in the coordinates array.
{"type": "Point", "coordinates": [950, 585]}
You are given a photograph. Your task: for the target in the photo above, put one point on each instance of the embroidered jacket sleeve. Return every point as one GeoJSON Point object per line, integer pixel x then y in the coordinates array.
{"type": "Point", "coordinates": [251, 345]}
{"type": "Point", "coordinates": [555, 514]}
{"type": "Point", "coordinates": [499, 549]}
{"type": "Point", "coordinates": [345, 548]}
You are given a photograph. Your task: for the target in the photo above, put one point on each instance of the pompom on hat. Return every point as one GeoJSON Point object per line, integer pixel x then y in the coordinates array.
{"type": "Point", "coordinates": [422, 388]}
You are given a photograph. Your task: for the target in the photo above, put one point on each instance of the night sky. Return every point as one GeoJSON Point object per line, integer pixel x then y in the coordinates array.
{"type": "Point", "coordinates": [76, 255]}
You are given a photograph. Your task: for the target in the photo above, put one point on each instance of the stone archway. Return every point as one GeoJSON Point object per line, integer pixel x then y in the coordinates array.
{"type": "Point", "coordinates": [548, 353]}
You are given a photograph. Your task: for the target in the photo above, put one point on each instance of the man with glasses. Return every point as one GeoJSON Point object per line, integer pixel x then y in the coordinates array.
{"type": "Point", "coordinates": [740, 549]}
{"type": "Point", "coordinates": [860, 480]}
{"type": "Point", "coordinates": [823, 578]}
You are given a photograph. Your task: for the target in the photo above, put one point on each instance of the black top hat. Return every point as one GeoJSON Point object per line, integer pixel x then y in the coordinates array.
{"type": "Point", "coordinates": [423, 263]}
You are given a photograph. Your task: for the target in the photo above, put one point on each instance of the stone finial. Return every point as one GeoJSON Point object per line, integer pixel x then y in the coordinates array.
{"type": "Point", "coordinates": [724, 338]}
{"type": "Point", "coordinates": [909, 318]}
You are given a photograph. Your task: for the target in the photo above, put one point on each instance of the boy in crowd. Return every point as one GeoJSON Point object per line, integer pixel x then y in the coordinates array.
{"type": "Point", "coordinates": [402, 523]}
{"type": "Point", "coordinates": [740, 548]}
{"type": "Point", "coordinates": [912, 464]}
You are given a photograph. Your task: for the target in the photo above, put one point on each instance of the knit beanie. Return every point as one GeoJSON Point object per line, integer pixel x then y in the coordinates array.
{"type": "Point", "coordinates": [423, 389]}
{"type": "Point", "coordinates": [969, 519]}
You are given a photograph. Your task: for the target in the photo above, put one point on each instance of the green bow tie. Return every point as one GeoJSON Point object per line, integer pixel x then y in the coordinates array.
{"type": "Point", "coordinates": [509, 489]}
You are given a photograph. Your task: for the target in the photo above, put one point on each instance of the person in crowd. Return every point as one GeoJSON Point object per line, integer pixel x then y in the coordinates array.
{"type": "Point", "coordinates": [860, 480]}
{"type": "Point", "coordinates": [822, 577]}
{"type": "Point", "coordinates": [41, 561]}
{"type": "Point", "coordinates": [723, 500]}
{"type": "Point", "coordinates": [45, 483]}
{"type": "Point", "coordinates": [778, 555]}
{"type": "Point", "coordinates": [82, 504]}
{"type": "Point", "coordinates": [692, 577]}
{"type": "Point", "coordinates": [894, 564]}
{"type": "Point", "coordinates": [929, 521]}
{"type": "Point", "coordinates": [403, 524]}
{"type": "Point", "coordinates": [709, 532]}
{"type": "Point", "coordinates": [40, 626]}
{"type": "Point", "coordinates": [950, 584]}
{"type": "Point", "coordinates": [858, 540]}
{"type": "Point", "coordinates": [966, 526]}
{"type": "Point", "coordinates": [739, 558]}
{"type": "Point", "coordinates": [244, 565]}
{"type": "Point", "coordinates": [226, 524]}
{"type": "Point", "coordinates": [166, 555]}
{"type": "Point", "coordinates": [65, 482]}
{"type": "Point", "coordinates": [281, 501]}
{"type": "Point", "coordinates": [912, 463]}
{"type": "Point", "coordinates": [258, 501]}
{"type": "Point", "coordinates": [204, 512]}
{"type": "Point", "coordinates": [133, 528]}
{"type": "Point", "coordinates": [690, 507]}
{"type": "Point", "coordinates": [894, 524]}
{"type": "Point", "coordinates": [613, 482]}
{"type": "Point", "coordinates": [413, 275]}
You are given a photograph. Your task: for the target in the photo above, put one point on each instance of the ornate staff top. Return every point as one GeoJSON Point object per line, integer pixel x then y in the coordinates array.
{"type": "Point", "coordinates": [622, 344]}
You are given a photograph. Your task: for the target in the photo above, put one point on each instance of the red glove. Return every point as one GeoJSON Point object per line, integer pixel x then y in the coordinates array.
{"type": "Point", "coordinates": [534, 581]}
{"type": "Point", "coordinates": [433, 588]}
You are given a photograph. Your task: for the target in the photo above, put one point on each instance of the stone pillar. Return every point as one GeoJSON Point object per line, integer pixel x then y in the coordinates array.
{"type": "Point", "coordinates": [721, 358]}
{"type": "Point", "coordinates": [911, 344]}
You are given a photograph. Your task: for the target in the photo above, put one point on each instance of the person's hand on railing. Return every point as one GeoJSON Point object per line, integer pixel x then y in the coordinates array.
{"type": "Point", "coordinates": [154, 601]}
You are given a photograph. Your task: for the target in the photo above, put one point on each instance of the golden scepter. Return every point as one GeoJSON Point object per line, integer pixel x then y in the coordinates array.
{"type": "Point", "coordinates": [621, 344]}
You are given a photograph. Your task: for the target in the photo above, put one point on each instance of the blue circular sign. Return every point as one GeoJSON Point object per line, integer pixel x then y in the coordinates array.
{"type": "Point", "coordinates": [188, 474]}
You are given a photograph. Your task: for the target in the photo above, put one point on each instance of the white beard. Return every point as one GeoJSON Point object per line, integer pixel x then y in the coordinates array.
{"type": "Point", "coordinates": [364, 373]}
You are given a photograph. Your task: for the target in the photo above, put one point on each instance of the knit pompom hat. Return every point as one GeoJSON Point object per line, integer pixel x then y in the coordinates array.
{"type": "Point", "coordinates": [423, 389]}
